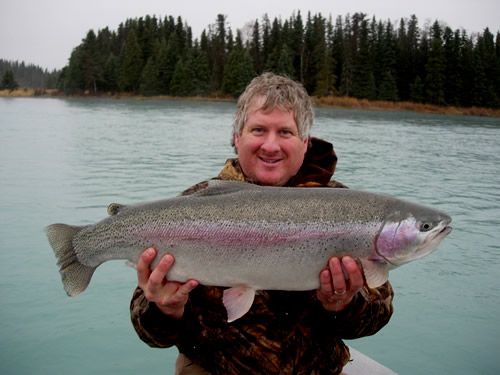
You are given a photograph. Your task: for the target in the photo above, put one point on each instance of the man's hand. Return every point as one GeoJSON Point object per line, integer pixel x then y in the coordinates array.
{"type": "Point", "coordinates": [339, 283]}
{"type": "Point", "coordinates": [169, 296]}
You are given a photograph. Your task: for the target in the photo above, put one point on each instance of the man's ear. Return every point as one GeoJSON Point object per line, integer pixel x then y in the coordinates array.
{"type": "Point", "coordinates": [236, 140]}
{"type": "Point", "coordinates": [307, 143]}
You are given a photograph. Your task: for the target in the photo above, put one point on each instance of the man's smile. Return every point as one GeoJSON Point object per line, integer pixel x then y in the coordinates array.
{"type": "Point", "coordinates": [269, 160]}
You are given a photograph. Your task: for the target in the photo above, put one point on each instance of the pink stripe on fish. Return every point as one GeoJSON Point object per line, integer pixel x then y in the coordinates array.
{"type": "Point", "coordinates": [227, 233]}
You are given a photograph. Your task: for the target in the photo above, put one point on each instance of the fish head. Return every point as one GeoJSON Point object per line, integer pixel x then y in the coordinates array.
{"type": "Point", "coordinates": [411, 233]}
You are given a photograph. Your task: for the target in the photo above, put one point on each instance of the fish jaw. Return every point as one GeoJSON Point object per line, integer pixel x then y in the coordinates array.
{"type": "Point", "coordinates": [407, 240]}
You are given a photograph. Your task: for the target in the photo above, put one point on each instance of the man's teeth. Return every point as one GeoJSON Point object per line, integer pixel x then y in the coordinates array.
{"type": "Point", "coordinates": [269, 161]}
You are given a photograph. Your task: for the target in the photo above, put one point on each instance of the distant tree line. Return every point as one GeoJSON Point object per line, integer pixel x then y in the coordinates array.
{"type": "Point", "coordinates": [352, 56]}
{"type": "Point", "coordinates": [28, 75]}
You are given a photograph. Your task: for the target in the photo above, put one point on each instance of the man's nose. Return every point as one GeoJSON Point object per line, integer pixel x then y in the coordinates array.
{"type": "Point", "coordinates": [271, 143]}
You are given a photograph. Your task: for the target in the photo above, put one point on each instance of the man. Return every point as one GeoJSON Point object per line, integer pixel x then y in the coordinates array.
{"type": "Point", "coordinates": [284, 332]}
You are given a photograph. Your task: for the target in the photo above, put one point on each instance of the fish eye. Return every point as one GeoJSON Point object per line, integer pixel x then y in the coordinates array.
{"type": "Point", "coordinates": [425, 227]}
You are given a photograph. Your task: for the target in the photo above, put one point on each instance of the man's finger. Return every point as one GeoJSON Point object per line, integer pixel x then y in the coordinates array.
{"type": "Point", "coordinates": [180, 296]}
{"type": "Point", "coordinates": [143, 266]}
{"type": "Point", "coordinates": [355, 275]}
{"type": "Point", "coordinates": [325, 282]}
{"type": "Point", "coordinates": [338, 278]}
{"type": "Point", "coordinates": [187, 287]}
{"type": "Point", "coordinates": [160, 271]}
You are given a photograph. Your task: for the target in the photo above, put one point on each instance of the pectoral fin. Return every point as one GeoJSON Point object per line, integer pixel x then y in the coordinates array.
{"type": "Point", "coordinates": [376, 273]}
{"type": "Point", "coordinates": [238, 301]}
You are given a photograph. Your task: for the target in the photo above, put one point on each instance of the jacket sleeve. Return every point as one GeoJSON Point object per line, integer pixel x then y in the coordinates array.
{"type": "Point", "coordinates": [152, 326]}
{"type": "Point", "coordinates": [369, 311]}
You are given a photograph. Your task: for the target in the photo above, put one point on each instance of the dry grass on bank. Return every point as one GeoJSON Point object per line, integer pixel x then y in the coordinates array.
{"type": "Point", "coordinates": [28, 92]}
{"type": "Point", "coordinates": [347, 102]}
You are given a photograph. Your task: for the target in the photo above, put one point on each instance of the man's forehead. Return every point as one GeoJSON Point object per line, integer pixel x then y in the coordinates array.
{"type": "Point", "coordinates": [259, 103]}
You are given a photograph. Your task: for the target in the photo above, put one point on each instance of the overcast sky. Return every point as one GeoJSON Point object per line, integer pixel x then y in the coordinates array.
{"type": "Point", "coordinates": [44, 32]}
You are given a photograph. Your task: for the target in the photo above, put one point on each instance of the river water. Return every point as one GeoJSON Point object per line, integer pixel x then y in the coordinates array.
{"type": "Point", "coordinates": [64, 160]}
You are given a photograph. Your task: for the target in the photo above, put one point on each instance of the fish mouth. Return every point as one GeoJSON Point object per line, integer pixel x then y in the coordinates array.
{"type": "Point", "coordinates": [443, 232]}
{"type": "Point", "coordinates": [446, 230]}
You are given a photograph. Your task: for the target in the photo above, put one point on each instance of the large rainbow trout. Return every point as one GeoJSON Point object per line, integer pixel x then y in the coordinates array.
{"type": "Point", "coordinates": [250, 237]}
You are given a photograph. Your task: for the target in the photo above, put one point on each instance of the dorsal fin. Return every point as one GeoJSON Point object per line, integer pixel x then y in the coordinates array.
{"type": "Point", "coordinates": [220, 187]}
{"type": "Point", "coordinates": [115, 208]}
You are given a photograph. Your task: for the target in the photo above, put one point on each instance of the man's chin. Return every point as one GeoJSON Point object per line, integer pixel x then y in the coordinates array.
{"type": "Point", "coordinates": [271, 180]}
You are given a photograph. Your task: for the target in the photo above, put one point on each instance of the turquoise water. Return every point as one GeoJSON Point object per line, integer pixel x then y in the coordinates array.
{"type": "Point", "coordinates": [65, 160]}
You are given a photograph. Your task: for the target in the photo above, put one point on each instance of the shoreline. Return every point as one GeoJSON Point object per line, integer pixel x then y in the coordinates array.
{"type": "Point", "coordinates": [327, 101]}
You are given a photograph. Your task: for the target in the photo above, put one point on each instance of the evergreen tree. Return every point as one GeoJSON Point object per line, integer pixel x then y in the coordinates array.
{"type": "Point", "coordinates": [255, 48]}
{"type": "Point", "coordinates": [107, 61]}
{"type": "Point", "coordinates": [486, 70]}
{"type": "Point", "coordinates": [91, 67]}
{"type": "Point", "coordinates": [466, 70]}
{"type": "Point", "coordinates": [363, 77]}
{"type": "Point", "coordinates": [169, 57]}
{"type": "Point", "coordinates": [238, 71]}
{"type": "Point", "coordinates": [219, 51]}
{"type": "Point", "coordinates": [330, 84]}
{"type": "Point", "coordinates": [422, 56]}
{"type": "Point", "coordinates": [131, 64]}
{"type": "Point", "coordinates": [387, 85]}
{"type": "Point", "coordinates": [452, 76]}
{"type": "Point", "coordinates": [8, 81]}
{"type": "Point", "coordinates": [417, 90]}
{"type": "Point", "coordinates": [388, 89]}
{"type": "Point", "coordinates": [350, 47]}
{"type": "Point", "coordinates": [111, 73]}
{"type": "Point", "coordinates": [73, 77]}
{"type": "Point", "coordinates": [266, 43]}
{"type": "Point", "coordinates": [322, 66]}
{"type": "Point", "coordinates": [380, 63]}
{"type": "Point", "coordinates": [147, 34]}
{"type": "Point", "coordinates": [284, 63]}
{"type": "Point", "coordinates": [403, 68]}
{"type": "Point", "coordinates": [297, 46]}
{"type": "Point", "coordinates": [496, 79]}
{"type": "Point", "coordinates": [274, 46]}
{"type": "Point", "coordinates": [434, 81]}
{"type": "Point", "coordinates": [164, 65]}
{"type": "Point", "coordinates": [413, 37]}
{"type": "Point", "coordinates": [149, 78]}
{"type": "Point", "coordinates": [182, 80]}
{"type": "Point", "coordinates": [337, 46]}
{"type": "Point", "coordinates": [200, 71]}
{"type": "Point", "coordinates": [308, 66]}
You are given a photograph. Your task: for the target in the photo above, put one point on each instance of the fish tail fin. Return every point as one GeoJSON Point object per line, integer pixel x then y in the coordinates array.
{"type": "Point", "coordinates": [75, 275]}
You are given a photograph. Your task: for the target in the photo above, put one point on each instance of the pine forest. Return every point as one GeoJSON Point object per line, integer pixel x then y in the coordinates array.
{"type": "Point", "coordinates": [352, 55]}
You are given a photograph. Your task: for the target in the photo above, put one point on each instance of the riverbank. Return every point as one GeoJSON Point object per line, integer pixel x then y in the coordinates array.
{"type": "Point", "coordinates": [23, 92]}
{"type": "Point", "coordinates": [347, 102]}
{"type": "Point", "coordinates": [327, 101]}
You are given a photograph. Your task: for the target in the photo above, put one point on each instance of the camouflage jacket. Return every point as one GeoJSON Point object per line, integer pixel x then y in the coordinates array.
{"type": "Point", "coordinates": [284, 332]}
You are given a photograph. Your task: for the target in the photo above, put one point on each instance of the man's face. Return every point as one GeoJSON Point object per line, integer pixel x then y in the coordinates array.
{"type": "Point", "coordinates": [269, 148]}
